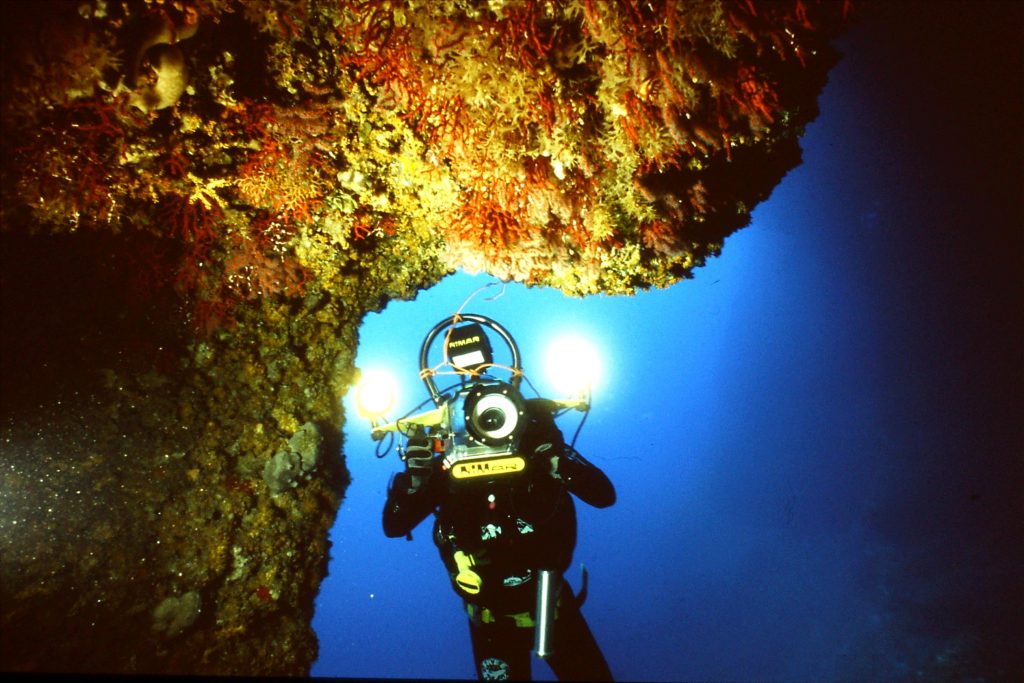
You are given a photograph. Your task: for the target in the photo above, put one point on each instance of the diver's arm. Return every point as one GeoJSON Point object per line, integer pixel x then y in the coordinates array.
{"type": "Point", "coordinates": [410, 499]}
{"type": "Point", "coordinates": [585, 480]}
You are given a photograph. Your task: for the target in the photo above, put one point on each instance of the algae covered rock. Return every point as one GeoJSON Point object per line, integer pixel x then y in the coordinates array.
{"type": "Point", "coordinates": [176, 613]}
{"type": "Point", "coordinates": [295, 461]}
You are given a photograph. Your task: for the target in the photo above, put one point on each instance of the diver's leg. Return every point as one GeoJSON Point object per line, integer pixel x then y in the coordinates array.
{"type": "Point", "coordinates": [576, 656]}
{"type": "Point", "coordinates": [501, 651]}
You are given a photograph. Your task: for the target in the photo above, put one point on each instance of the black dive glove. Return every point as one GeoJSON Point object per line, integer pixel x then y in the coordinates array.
{"type": "Point", "coordinates": [584, 479]}
{"type": "Point", "coordinates": [410, 496]}
{"type": "Point", "coordinates": [419, 462]}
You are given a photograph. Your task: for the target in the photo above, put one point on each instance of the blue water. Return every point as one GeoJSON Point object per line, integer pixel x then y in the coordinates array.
{"type": "Point", "coordinates": [810, 439]}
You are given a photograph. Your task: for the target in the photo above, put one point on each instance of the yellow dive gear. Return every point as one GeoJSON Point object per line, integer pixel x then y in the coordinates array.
{"type": "Point", "coordinates": [467, 579]}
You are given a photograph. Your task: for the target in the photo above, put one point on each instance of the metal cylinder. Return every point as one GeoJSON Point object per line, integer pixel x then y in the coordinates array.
{"type": "Point", "coordinates": [548, 583]}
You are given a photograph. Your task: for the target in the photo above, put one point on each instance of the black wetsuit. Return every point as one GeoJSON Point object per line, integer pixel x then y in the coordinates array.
{"type": "Point", "coordinates": [495, 533]}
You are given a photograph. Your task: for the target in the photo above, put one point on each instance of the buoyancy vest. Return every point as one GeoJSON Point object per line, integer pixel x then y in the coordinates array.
{"type": "Point", "coordinates": [495, 535]}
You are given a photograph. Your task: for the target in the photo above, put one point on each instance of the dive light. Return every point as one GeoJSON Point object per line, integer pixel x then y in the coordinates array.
{"type": "Point", "coordinates": [573, 366]}
{"type": "Point", "coordinates": [376, 395]}
{"type": "Point", "coordinates": [548, 584]}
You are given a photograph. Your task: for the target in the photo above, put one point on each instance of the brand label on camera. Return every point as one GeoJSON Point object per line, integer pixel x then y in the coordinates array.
{"type": "Point", "coordinates": [488, 468]}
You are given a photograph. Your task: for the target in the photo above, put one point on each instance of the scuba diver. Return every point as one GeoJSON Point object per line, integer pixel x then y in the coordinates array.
{"type": "Point", "coordinates": [496, 472]}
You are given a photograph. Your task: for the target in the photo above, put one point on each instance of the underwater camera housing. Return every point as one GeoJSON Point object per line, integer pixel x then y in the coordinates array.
{"type": "Point", "coordinates": [484, 418]}
{"type": "Point", "coordinates": [477, 425]}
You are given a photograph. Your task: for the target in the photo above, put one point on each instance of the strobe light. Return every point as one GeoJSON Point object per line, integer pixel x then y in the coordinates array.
{"type": "Point", "coordinates": [573, 365]}
{"type": "Point", "coordinates": [375, 395]}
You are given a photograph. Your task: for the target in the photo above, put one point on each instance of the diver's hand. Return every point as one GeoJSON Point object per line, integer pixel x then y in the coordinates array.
{"type": "Point", "coordinates": [587, 481]}
{"type": "Point", "coordinates": [546, 452]}
{"type": "Point", "coordinates": [406, 505]}
{"type": "Point", "coordinates": [419, 462]}
{"type": "Point", "coordinates": [419, 469]}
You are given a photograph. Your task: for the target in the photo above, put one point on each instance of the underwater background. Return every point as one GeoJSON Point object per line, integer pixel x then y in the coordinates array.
{"type": "Point", "coordinates": [816, 442]}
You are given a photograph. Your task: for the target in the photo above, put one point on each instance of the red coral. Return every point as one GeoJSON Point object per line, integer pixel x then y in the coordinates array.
{"type": "Point", "coordinates": [191, 220]}
{"type": "Point", "coordinates": [698, 195]}
{"type": "Point", "coordinates": [366, 223]}
{"type": "Point", "coordinates": [270, 232]}
{"type": "Point", "coordinates": [73, 161]}
{"type": "Point", "coordinates": [756, 97]}
{"type": "Point", "coordinates": [263, 593]}
{"type": "Point", "coordinates": [176, 164]}
{"type": "Point", "coordinates": [441, 124]}
{"type": "Point", "coordinates": [287, 174]}
{"type": "Point", "coordinates": [659, 236]}
{"type": "Point", "coordinates": [526, 33]}
{"type": "Point", "coordinates": [100, 117]}
{"type": "Point", "coordinates": [495, 214]}
{"type": "Point", "coordinates": [488, 225]}
{"type": "Point", "coordinates": [209, 315]}
{"type": "Point", "coordinates": [252, 273]}
{"type": "Point", "coordinates": [382, 52]}
{"type": "Point", "coordinates": [235, 483]}
{"type": "Point", "coordinates": [251, 120]}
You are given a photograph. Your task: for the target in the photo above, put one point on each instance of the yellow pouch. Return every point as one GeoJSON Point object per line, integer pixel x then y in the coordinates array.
{"type": "Point", "coordinates": [467, 579]}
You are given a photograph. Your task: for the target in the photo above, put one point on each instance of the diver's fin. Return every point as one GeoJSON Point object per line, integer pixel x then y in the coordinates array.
{"type": "Point", "coordinates": [581, 597]}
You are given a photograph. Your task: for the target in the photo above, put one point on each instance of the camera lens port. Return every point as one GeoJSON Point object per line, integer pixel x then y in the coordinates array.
{"type": "Point", "coordinates": [492, 419]}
